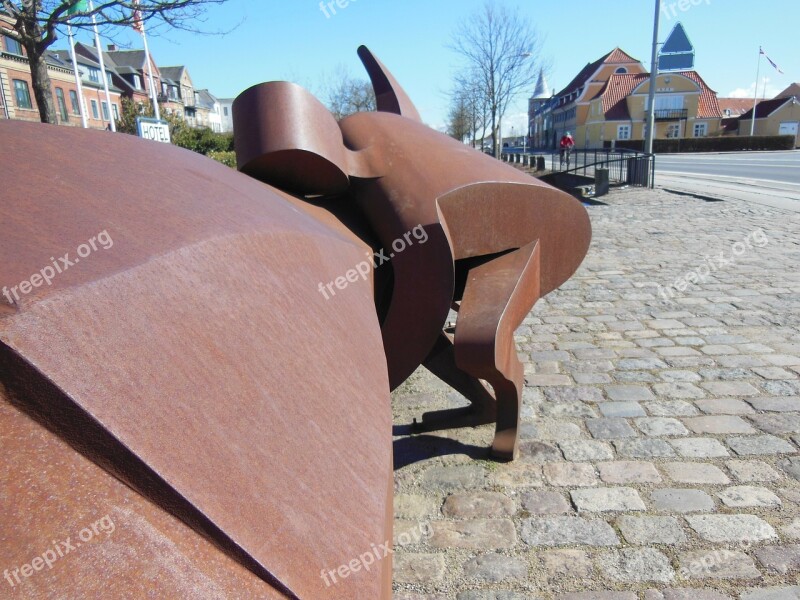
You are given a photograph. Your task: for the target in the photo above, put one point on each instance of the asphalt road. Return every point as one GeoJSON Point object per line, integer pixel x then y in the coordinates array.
{"type": "Point", "coordinates": [766, 178]}
{"type": "Point", "coordinates": [781, 167]}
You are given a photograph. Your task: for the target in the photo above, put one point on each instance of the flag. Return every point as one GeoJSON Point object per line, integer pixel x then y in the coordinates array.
{"type": "Point", "coordinates": [137, 18]}
{"type": "Point", "coordinates": [79, 6]}
{"type": "Point", "coordinates": [777, 68]}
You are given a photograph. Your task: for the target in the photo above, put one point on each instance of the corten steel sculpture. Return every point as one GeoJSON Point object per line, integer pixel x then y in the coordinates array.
{"type": "Point", "coordinates": [189, 384]}
{"type": "Point", "coordinates": [498, 239]}
{"type": "Point", "coordinates": [193, 360]}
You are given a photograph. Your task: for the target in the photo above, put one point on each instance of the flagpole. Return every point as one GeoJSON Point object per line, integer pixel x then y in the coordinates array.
{"type": "Point", "coordinates": [102, 69]}
{"type": "Point", "coordinates": [153, 93]}
{"type": "Point", "coordinates": [755, 95]}
{"type": "Point", "coordinates": [77, 77]}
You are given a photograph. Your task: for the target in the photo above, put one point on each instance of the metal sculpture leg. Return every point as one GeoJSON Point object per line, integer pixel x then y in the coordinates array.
{"type": "Point", "coordinates": [483, 410]}
{"type": "Point", "coordinates": [496, 300]}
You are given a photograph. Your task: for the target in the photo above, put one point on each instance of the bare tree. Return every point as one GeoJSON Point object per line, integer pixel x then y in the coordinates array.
{"type": "Point", "coordinates": [468, 89]}
{"type": "Point", "coordinates": [502, 48]}
{"type": "Point", "coordinates": [459, 118]}
{"type": "Point", "coordinates": [345, 94]}
{"type": "Point", "coordinates": [37, 22]}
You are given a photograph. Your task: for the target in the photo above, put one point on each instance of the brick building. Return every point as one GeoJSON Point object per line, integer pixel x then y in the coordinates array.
{"type": "Point", "coordinates": [128, 77]}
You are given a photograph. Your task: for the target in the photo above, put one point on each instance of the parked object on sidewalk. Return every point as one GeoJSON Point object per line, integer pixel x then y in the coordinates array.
{"type": "Point", "coordinates": [600, 182]}
{"type": "Point", "coordinates": [497, 239]}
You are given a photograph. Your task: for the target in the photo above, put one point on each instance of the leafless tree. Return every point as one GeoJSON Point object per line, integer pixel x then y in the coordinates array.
{"type": "Point", "coordinates": [503, 49]}
{"type": "Point", "coordinates": [458, 118]}
{"type": "Point", "coordinates": [468, 90]}
{"type": "Point", "coordinates": [36, 25]}
{"type": "Point", "coordinates": [345, 94]}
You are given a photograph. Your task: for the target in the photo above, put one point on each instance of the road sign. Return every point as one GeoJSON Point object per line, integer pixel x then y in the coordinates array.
{"type": "Point", "coordinates": [153, 129]}
{"type": "Point", "coordinates": [677, 53]}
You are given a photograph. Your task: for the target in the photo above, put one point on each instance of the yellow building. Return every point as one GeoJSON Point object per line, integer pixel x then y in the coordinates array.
{"type": "Point", "coordinates": [780, 116]}
{"type": "Point", "coordinates": [570, 109]}
{"type": "Point", "coordinates": [685, 107]}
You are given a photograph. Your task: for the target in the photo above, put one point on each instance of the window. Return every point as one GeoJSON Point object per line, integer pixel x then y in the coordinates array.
{"type": "Point", "coordinates": [137, 82]}
{"type": "Point", "coordinates": [666, 102]}
{"type": "Point", "coordinates": [94, 75]}
{"type": "Point", "coordinates": [23, 94]}
{"type": "Point", "coordinates": [12, 46]}
{"type": "Point", "coordinates": [115, 110]}
{"type": "Point", "coordinates": [674, 130]}
{"type": "Point", "coordinates": [669, 102]}
{"type": "Point", "coordinates": [621, 71]}
{"type": "Point", "coordinates": [624, 132]}
{"type": "Point", "coordinates": [62, 104]}
{"type": "Point", "coordinates": [225, 110]}
{"type": "Point", "coordinates": [73, 98]}
{"type": "Point", "coordinates": [700, 129]}
{"type": "Point", "coordinates": [95, 113]}
{"type": "Point", "coordinates": [105, 111]}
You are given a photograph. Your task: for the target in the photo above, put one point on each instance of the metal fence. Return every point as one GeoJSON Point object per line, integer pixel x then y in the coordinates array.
{"type": "Point", "coordinates": [624, 166]}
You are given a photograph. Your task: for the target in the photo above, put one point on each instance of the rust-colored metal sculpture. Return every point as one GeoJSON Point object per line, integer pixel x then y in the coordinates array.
{"type": "Point", "coordinates": [160, 326]}
{"type": "Point", "coordinates": [195, 366]}
{"type": "Point", "coordinates": [496, 239]}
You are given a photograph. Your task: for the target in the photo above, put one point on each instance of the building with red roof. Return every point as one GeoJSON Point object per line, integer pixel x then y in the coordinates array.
{"type": "Point", "coordinates": [568, 110]}
{"type": "Point", "coordinates": [606, 102]}
{"type": "Point", "coordinates": [779, 116]}
{"type": "Point", "coordinates": [684, 107]}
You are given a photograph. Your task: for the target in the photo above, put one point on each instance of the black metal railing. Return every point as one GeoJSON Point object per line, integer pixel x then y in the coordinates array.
{"type": "Point", "coordinates": [671, 114]}
{"type": "Point", "coordinates": [625, 167]}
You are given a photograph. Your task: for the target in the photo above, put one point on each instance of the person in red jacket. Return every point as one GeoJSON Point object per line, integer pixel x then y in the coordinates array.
{"type": "Point", "coordinates": [566, 144]}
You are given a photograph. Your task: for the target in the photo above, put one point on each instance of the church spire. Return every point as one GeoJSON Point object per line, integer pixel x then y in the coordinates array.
{"type": "Point", "coordinates": [541, 86]}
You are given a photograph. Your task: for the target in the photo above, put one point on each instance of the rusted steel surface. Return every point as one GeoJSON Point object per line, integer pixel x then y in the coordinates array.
{"type": "Point", "coordinates": [496, 239]}
{"type": "Point", "coordinates": [194, 361]}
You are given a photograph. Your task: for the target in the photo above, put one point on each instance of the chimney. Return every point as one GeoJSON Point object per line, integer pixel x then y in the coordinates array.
{"type": "Point", "coordinates": [112, 47]}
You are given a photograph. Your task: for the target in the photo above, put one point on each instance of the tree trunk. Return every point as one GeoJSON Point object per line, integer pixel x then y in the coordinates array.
{"type": "Point", "coordinates": [494, 136]}
{"type": "Point", "coordinates": [42, 89]}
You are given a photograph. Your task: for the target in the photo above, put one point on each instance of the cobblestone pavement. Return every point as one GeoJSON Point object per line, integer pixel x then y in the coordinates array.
{"type": "Point", "coordinates": [661, 437]}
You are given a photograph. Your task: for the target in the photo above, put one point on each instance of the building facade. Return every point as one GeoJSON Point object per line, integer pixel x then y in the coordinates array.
{"type": "Point", "coordinates": [17, 99]}
{"type": "Point", "coordinates": [606, 104]}
{"type": "Point", "coordinates": [226, 106]}
{"type": "Point", "coordinates": [178, 95]}
{"type": "Point", "coordinates": [128, 76]}
{"type": "Point", "coordinates": [570, 108]}
{"type": "Point", "coordinates": [779, 116]}
{"type": "Point", "coordinates": [539, 124]}
{"type": "Point", "coordinates": [209, 111]}
{"type": "Point", "coordinates": [684, 107]}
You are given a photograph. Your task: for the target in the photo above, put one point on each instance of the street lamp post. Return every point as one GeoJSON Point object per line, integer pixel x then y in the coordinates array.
{"type": "Point", "coordinates": [651, 115]}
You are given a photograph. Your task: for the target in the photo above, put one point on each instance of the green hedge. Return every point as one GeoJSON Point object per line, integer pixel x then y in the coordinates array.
{"type": "Point", "coordinates": [712, 144]}
{"type": "Point", "coordinates": [226, 158]}
{"type": "Point", "coordinates": [202, 140]}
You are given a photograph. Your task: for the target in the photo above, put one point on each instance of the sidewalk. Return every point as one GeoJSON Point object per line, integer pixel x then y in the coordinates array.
{"type": "Point", "coordinates": [772, 194]}
{"type": "Point", "coordinates": [661, 438]}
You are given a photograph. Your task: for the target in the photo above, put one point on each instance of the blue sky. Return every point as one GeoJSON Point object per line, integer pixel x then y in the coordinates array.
{"type": "Point", "coordinates": [295, 40]}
